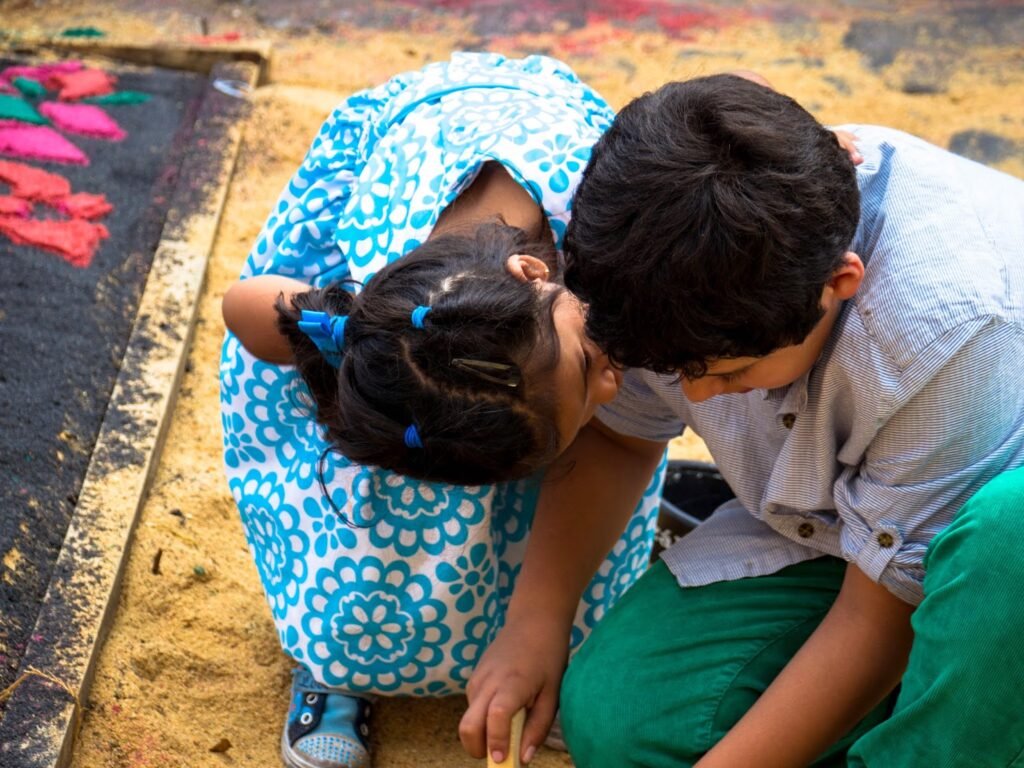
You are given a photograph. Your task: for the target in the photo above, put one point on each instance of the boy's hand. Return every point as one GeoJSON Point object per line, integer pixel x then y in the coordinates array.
{"type": "Point", "coordinates": [848, 142]}
{"type": "Point", "coordinates": [523, 667]}
{"type": "Point", "coordinates": [849, 664]}
{"type": "Point", "coordinates": [846, 139]}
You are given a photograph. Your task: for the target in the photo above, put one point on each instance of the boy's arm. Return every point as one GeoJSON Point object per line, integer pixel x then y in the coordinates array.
{"type": "Point", "coordinates": [249, 313]}
{"type": "Point", "coordinates": [851, 662]}
{"type": "Point", "coordinates": [922, 466]}
{"type": "Point", "coordinates": [585, 501]}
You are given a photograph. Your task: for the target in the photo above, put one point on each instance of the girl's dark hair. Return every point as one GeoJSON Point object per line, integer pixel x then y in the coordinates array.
{"type": "Point", "coordinates": [709, 219]}
{"type": "Point", "coordinates": [393, 374]}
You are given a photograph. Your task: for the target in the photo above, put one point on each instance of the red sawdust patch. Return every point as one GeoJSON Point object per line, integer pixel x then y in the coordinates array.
{"type": "Point", "coordinates": [78, 85]}
{"type": "Point", "coordinates": [13, 206]}
{"type": "Point", "coordinates": [31, 183]}
{"type": "Point", "coordinates": [75, 240]}
{"type": "Point", "coordinates": [83, 205]}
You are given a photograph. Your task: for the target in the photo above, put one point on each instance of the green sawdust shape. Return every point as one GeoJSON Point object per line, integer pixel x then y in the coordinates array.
{"type": "Point", "coordinates": [120, 97]}
{"type": "Point", "coordinates": [29, 87]}
{"type": "Point", "coordinates": [83, 32]}
{"type": "Point", "coordinates": [16, 108]}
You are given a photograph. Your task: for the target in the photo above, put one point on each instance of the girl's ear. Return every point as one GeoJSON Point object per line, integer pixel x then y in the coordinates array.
{"type": "Point", "coordinates": [525, 268]}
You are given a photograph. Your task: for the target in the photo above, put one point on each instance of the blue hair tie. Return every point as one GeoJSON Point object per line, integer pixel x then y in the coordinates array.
{"type": "Point", "coordinates": [327, 332]}
{"type": "Point", "coordinates": [412, 437]}
{"type": "Point", "coordinates": [417, 316]}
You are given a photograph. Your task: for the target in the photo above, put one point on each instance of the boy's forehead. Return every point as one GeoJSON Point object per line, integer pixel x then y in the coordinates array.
{"type": "Point", "coordinates": [725, 366]}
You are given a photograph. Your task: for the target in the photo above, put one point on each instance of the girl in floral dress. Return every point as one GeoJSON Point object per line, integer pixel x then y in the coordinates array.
{"type": "Point", "coordinates": [380, 584]}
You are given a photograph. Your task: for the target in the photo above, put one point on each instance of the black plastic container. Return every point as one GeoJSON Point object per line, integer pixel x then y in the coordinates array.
{"type": "Point", "coordinates": [693, 490]}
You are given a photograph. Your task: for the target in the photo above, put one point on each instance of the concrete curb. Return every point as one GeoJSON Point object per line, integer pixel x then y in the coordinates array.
{"type": "Point", "coordinates": [41, 719]}
{"type": "Point", "coordinates": [167, 55]}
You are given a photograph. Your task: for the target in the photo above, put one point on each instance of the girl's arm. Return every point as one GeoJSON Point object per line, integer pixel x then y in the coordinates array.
{"type": "Point", "coordinates": [851, 662]}
{"type": "Point", "coordinates": [494, 193]}
{"type": "Point", "coordinates": [249, 313]}
{"type": "Point", "coordinates": [585, 501]}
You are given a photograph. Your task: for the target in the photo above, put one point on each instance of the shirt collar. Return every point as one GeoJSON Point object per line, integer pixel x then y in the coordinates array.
{"type": "Point", "coordinates": [791, 398]}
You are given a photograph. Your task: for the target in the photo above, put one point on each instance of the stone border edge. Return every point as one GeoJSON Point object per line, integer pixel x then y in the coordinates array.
{"type": "Point", "coordinates": [41, 718]}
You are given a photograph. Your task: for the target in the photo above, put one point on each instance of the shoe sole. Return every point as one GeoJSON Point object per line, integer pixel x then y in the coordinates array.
{"type": "Point", "coordinates": [293, 759]}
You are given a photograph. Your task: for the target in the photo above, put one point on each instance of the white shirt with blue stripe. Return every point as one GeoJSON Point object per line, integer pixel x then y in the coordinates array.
{"type": "Point", "coordinates": [916, 401]}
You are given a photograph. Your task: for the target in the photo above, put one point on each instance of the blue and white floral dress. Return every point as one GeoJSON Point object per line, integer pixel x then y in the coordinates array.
{"type": "Point", "coordinates": [408, 603]}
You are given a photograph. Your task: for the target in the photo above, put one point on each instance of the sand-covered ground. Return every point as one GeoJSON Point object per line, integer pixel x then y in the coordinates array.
{"type": "Point", "coordinates": [193, 658]}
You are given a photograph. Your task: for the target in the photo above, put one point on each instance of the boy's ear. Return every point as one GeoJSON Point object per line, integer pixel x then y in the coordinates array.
{"type": "Point", "coordinates": [525, 268]}
{"type": "Point", "coordinates": [847, 278]}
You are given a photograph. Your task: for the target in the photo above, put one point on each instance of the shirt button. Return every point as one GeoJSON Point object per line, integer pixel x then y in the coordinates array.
{"type": "Point", "coordinates": [885, 540]}
{"type": "Point", "coordinates": [805, 531]}
{"type": "Point", "coordinates": [788, 420]}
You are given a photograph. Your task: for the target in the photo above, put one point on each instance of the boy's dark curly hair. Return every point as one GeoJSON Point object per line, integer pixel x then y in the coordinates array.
{"type": "Point", "coordinates": [392, 374]}
{"type": "Point", "coordinates": [708, 221]}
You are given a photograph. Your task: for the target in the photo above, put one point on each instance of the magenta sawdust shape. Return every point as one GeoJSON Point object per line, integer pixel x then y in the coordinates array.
{"type": "Point", "coordinates": [77, 237]}
{"type": "Point", "coordinates": [41, 72]}
{"type": "Point", "coordinates": [39, 142]}
{"type": "Point", "coordinates": [84, 119]}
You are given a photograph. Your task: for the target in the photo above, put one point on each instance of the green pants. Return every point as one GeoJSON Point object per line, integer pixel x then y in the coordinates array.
{"type": "Point", "coordinates": [669, 670]}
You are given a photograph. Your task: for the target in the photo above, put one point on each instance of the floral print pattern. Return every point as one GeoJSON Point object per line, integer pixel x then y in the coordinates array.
{"type": "Point", "coordinates": [390, 585]}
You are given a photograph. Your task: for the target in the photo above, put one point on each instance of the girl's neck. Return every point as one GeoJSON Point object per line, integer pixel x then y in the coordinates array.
{"type": "Point", "coordinates": [494, 193]}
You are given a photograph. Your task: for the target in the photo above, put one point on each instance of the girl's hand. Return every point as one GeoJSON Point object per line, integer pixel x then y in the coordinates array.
{"type": "Point", "coordinates": [848, 142]}
{"type": "Point", "coordinates": [523, 667]}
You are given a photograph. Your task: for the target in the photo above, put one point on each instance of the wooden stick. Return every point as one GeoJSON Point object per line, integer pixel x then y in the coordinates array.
{"type": "Point", "coordinates": [515, 744]}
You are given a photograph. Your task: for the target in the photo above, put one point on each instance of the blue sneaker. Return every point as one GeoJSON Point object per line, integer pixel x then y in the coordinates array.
{"type": "Point", "coordinates": [324, 729]}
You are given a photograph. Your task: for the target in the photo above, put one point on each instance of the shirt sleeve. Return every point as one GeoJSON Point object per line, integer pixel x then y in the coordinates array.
{"type": "Point", "coordinates": [639, 411]}
{"type": "Point", "coordinates": [958, 431]}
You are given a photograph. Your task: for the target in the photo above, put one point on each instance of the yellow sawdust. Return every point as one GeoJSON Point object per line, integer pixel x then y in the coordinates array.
{"type": "Point", "coordinates": [12, 559]}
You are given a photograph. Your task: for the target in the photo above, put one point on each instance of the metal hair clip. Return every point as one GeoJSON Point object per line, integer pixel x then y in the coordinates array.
{"type": "Point", "coordinates": [496, 373]}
